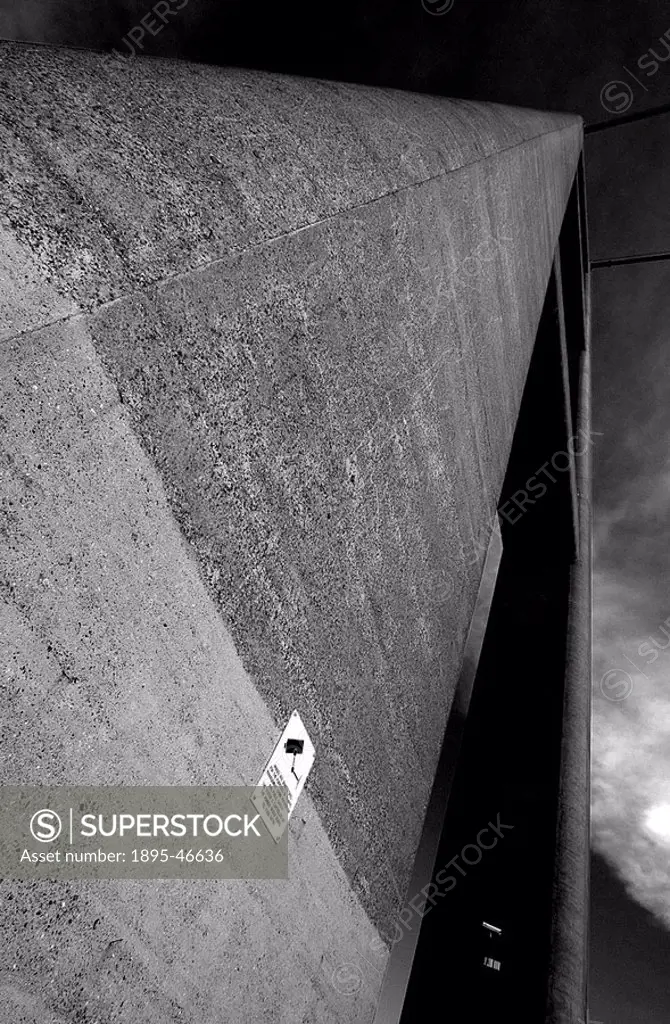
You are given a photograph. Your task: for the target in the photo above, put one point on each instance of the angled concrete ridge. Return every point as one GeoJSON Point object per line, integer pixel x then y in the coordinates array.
{"type": "Point", "coordinates": [123, 172]}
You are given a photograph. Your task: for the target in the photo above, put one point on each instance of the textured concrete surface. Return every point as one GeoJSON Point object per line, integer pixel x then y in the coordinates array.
{"type": "Point", "coordinates": [120, 173]}
{"type": "Point", "coordinates": [331, 414]}
{"type": "Point", "coordinates": [117, 668]}
{"type": "Point", "coordinates": [309, 309]}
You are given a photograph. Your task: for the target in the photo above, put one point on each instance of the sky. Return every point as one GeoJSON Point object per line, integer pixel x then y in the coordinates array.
{"type": "Point", "coordinates": [629, 214]}
{"type": "Point", "coordinates": [631, 726]}
{"type": "Point", "coordinates": [599, 59]}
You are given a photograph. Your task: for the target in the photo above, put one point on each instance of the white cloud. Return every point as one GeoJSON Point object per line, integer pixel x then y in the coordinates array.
{"type": "Point", "coordinates": [657, 822]}
{"type": "Point", "coordinates": [631, 741]}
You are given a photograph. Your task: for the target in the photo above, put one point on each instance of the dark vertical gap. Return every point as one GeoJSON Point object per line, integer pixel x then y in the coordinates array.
{"type": "Point", "coordinates": [580, 185]}
{"type": "Point", "coordinates": [508, 769]}
{"type": "Point", "coordinates": [573, 256]}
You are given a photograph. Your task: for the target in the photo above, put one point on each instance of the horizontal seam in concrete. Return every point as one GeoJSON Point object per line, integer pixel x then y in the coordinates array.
{"type": "Point", "coordinates": [192, 271]}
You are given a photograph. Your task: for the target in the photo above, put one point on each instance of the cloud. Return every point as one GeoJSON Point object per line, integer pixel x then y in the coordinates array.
{"type": "Point", "coordinates": [631, 736]}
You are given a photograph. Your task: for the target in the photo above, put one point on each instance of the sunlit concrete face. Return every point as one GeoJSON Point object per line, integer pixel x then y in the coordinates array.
{"type": "Point", "coordinates": [254, 460]}
{"type": "Point", "coordinates": [119, 669]}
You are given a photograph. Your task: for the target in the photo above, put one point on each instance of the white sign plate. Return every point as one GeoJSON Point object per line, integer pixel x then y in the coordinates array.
{"type": "Point", "coordinates": [289, 765]}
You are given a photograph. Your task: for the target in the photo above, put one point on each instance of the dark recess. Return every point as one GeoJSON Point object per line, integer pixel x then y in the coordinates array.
{"type": "Point", "coordinates": [509, 762]}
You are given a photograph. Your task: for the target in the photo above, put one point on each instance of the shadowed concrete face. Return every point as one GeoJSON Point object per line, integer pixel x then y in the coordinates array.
{"type": "Point", "coordinates": [306, 323]}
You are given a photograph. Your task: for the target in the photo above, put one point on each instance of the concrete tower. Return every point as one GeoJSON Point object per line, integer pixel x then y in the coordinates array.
{"type": "Point", "coordinates": [264, 347]}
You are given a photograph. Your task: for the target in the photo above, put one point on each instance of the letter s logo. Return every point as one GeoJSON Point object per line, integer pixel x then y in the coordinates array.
{"type": "Point", "coordinates": [45, 825]}
{"type": "Point", "coordinates": [617, 97]}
